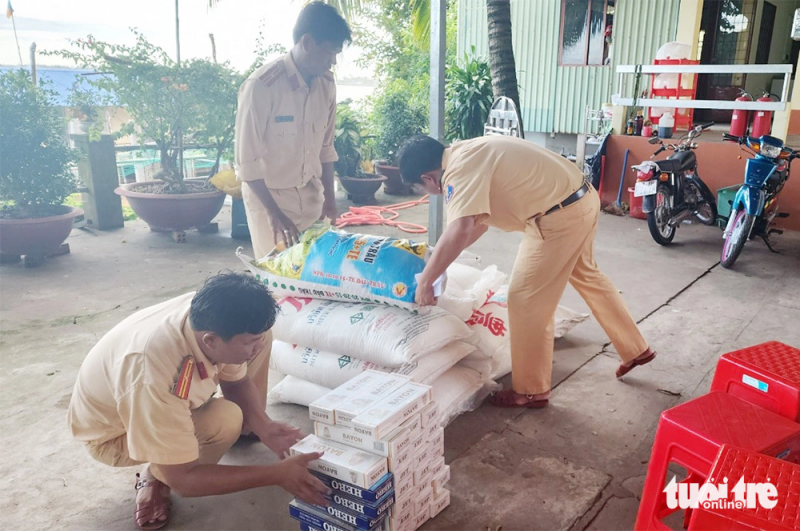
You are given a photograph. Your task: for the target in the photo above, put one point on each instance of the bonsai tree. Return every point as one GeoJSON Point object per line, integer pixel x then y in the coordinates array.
{"type": "Point", "coordinates": [84, 106]}
{"type": "Point", "coordinates": [197, 98]}
{"type": "Point", "coordinates": [213, 93]}
{"type": "Point", "coordinates": [35, 160]}
{"type": "Point", "coordinates": [347, 141]}
{"type": "Point", "coordinates": [150, 85]}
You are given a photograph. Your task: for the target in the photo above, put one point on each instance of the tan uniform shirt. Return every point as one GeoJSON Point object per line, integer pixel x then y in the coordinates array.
{"type": "Point", "coordinates": [125, 384]}
{"type": "Point", "coordinates": [504, 180]}
{"type": "Point", "coordinates": [284, 128]}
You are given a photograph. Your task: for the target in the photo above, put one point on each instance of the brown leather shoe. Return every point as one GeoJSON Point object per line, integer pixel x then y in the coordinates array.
{"type": "Point", "coordinates": [509, 398]}
{"type": "Point", "coordinates": [648, 356]}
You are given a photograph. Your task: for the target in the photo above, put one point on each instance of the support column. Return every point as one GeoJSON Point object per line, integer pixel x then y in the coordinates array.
{"type": "Point", "coordinates": [438, 49]}
{"type": "Point", "coordinates": [689, 16]}
{"type": "Point", "coordinates": [788, 122]}
{"type": "Point", "coordinates": [97, 168]}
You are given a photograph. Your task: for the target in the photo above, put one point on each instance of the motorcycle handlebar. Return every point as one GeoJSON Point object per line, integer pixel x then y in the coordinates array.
{"type": "Point", "coordinates": [706, 126]}
{"type": "Point", "coordinates": [660, 150]}
{"type": "Point", "coordinates": [732, 138]}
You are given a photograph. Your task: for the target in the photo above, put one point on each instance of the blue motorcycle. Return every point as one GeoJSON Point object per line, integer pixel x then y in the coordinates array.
{"type": "Point", "coordinates": [755, 205]}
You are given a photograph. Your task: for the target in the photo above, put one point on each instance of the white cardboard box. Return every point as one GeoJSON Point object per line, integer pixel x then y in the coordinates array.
{"type": "Point", "coordinates": [403, 487]}
{"type": "Point", "coordinates": [430, 414]}
{"type": "Point", "coordinates": [441, 479]}
{"type": "Point", "coordinates": [437, 466]}
{"type": "Point", "coordinates": [440, 502]}
{"type": "Point", "coordinates": [378, 419]}
{"type": "Point", "coordinates": [418, 443]}
{"type": "Point", "coordinates": [423, 502]}
{"type": "Point", "coordinates": [413, 428]}
{"type": "Point", "coordinates": [424, 474]}
{"type": "Point", "coordinates": [404, 473]}
{"type": "Point", "coordinates": [369, 396]}
{"type": "Point", "coordinates": [343, 462]}
{"type": "Point", "coordinates": [401, 521]}
{"type": "Point", "coordinates": [395, 442]}
{"type": "Point", "coordinates": [420, 489]}
{"type": "Point", "coordinates": [437, 443]}
{"type": "Point", "coordinates": [399, 462]}
{"type": "Point", "coordinates": [420, 519]}
{"type": "Point", "coordinates": [422, 457]}
{"type": "Point", "coordinates": [406, 503]}
{"type": "Point", "coordinates": [322, 409]}
{"type": "Point", "coordinates": [430, 431]}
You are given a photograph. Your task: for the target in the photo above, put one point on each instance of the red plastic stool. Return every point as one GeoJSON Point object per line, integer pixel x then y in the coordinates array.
{"type": "Point", "coordinates": [735, 463]}
{"type": "Point", "coordinates": [691, 435]}
{"type": "Point", "coordinates": [767, 375]}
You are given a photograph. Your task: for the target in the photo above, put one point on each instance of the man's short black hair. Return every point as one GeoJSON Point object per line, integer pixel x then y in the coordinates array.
{"type": "Point", "coordinates": [417, 155]}
{"type": "Point", "coordinates": [230, 304]}
{"type": "Point", "coordinates": [324, 23]}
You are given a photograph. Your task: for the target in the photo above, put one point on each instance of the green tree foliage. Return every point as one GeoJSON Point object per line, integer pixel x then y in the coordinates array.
{"type": "Point", "coordinates": [197, 97]}
{"type": "Point", "coordinates": [469, 97]}
{"type": "Point", "coordinates": [35, 162]}
{"type": "Point", "coordinates": [347, 140]}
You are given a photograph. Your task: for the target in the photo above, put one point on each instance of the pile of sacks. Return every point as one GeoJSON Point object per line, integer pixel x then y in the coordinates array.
{"type": "Point", "coordinates": [338, 319]}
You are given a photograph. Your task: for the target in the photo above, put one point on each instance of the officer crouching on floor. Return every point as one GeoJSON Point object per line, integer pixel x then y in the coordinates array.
{"type": "Point", "coordinates": [145, 396]}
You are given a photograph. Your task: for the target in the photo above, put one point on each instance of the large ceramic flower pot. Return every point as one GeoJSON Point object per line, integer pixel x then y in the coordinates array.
{"type": "Point", "coordinates": [394, 183]}
{"type": "Point", "coordinates": [362, 190]}
{"type": "Point", "coordinates": [36, 236]}
{"type": "Point", "coordinates": [172, 212]}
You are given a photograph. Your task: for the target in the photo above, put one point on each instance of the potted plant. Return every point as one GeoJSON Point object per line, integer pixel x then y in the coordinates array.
{"type": "Point", "coordinates": [163, 99]}
{"type": "Point", "coordinates": [360, 186]}
{"type": "Point", "coordinates": [35, 174]}
{"type": "Point", "coordinates": [395, 117]}
{"type": "Point", "coordinates": [84, 105]}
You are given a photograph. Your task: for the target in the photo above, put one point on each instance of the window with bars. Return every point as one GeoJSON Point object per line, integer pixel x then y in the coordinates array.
{"type": "Point", "coordinates": [585, 32]}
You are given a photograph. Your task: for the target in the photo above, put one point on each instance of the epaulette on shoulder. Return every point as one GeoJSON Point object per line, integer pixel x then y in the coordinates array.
{"type": "Point", "coordinates": [329, 76]}
{"type": "Point", "coordinates": [271, 74]}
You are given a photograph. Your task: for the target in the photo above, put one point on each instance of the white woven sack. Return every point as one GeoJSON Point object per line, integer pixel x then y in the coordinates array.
{"type": "Point", "coordinates": [384, 335]}
{"type": "Point", "coordinates": [468, 288]}
{"type": "Point", "coordinates": [332, 370]}
{"type": "Point", "coordinates": [293, 390]}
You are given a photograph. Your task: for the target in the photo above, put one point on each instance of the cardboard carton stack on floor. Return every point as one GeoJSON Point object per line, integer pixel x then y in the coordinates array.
{"type": "Point", "coordinates": [384, 455]}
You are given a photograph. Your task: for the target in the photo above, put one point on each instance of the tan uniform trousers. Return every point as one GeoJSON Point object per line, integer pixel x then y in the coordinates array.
{"type": "Point", "coordinates": [302, 205]}
{"type": "Point", "coordinates": [217, 425]}
{"type": "Point", "coordinates": [556, 249]}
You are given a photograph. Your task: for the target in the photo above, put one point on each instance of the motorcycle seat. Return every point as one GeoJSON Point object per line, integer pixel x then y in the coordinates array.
{"type": "Point", "coordinates": [679, 161]}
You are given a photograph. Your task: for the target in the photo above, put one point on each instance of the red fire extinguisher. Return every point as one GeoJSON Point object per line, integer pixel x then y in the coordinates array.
{"type": "Point", "coordinates": [741, 118]}
{"type": "Point", "coordinates": [762, 120]}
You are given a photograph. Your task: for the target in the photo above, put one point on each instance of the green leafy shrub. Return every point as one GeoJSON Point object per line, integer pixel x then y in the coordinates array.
{"type": "Point", "coordinates": [347, 141]}
{"type": "Point", "coordinates": [468, 98]}
{"type": "Point", "coordinates": [35, 160]}
{"type": "Point", "coordinates": [396, 115]}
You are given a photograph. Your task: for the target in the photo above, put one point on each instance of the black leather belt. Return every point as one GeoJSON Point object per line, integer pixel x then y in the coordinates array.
{"type": "Point", "coordinates": [571, 199]}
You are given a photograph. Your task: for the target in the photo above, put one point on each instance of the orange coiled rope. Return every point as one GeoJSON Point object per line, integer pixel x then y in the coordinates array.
{"type": "Point", "coordinates": [374, 215]}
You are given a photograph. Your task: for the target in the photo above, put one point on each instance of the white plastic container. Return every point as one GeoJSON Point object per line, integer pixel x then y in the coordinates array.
{"type": "Point", "coordinates": [665, 125]}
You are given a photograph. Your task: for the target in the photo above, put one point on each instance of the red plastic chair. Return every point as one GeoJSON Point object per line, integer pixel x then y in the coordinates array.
{"type": "Point", "coordinates": [692, 434]}
{"type": "Point", "coordinates": [735, 463]}
{"type": "Point", "coordinates": [767, 375]}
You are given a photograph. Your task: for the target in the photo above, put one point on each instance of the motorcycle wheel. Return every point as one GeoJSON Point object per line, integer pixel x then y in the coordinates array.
{"type": "Point", "coordinates": [707, 213]}
{"type": "Point", "coordinates": [734, 243]}
{"type": "Point", "coordinates": [658, 220]}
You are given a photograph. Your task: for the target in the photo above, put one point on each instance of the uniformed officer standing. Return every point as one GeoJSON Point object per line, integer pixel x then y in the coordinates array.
{"type": "Point", "coordinates": [145, 395]}
{"type": "Point", "coordinates": [285, 128]}
{"type": "Point", "coordinates": [515, 185]}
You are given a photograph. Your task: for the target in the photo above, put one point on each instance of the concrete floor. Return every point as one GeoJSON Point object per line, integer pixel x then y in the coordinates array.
{"type": "Point", "coordinates": [579, 464]}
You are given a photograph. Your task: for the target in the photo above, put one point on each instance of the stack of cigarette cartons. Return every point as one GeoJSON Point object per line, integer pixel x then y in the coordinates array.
{"type": "Point", "coordinates": [394, 422]}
